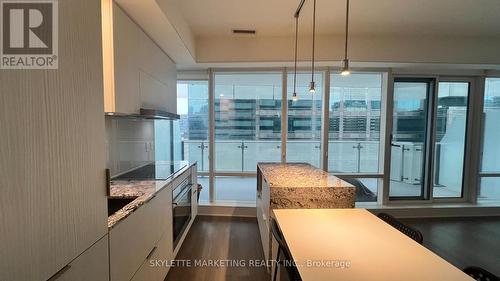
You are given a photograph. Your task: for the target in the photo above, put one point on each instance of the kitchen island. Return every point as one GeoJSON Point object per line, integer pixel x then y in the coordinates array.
{"type": "Point", "coordinates": [296, 186]}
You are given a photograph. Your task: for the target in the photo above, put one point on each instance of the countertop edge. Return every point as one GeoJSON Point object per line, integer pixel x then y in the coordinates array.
{"type": "Point", "coordinates": [116, 218]}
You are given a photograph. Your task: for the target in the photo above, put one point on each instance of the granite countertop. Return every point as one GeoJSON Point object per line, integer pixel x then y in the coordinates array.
{"type": "Point", "coordinates": [141, 190]}
{"type": "Point", "coordinates": [301, 185]}
{"type": "Point", "coordinates": [299, 175]}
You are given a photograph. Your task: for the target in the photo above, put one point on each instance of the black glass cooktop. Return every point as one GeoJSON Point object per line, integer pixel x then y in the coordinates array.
{"type": "Point", "coordinates": [153, 171]}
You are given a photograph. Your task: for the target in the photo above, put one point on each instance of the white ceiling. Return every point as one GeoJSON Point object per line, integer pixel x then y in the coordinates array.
{"type": "Point", "coordinates": [216, 18]}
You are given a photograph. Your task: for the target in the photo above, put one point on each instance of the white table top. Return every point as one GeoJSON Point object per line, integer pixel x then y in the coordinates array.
{"type": "Point", "coordinates": [369, 248]}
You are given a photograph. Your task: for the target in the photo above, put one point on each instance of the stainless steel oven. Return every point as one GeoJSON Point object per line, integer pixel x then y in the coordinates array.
{"type": "Point", "coordinates": [181, 208]}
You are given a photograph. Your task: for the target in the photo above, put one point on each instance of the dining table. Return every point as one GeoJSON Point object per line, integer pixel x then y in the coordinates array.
{"type": "Point", "coordinates": [355, 245]}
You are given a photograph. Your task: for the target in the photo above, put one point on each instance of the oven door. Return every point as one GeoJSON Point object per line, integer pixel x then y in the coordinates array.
{"type": "Point", "coordinates": [181, 210]}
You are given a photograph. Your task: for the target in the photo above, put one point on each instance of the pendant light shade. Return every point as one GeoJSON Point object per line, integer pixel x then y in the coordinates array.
{"type": "Point", "coordinates": [345, 68]}
{"type": "Point", "coordinates": [345, 63]}
{"type": "Point", "coordinates": [312, 85]}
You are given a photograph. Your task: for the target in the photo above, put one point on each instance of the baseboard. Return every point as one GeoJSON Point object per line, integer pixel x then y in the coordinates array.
{"type": "Point", "coordinates": [422, 211]}
{"type": "Point", "coordinates": [229, 211]}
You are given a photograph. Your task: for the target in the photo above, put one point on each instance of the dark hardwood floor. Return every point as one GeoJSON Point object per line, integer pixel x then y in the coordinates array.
{"type": "Point", "coordinates": [460, 241]}
{"type": "Point", "coordinates": [463, 241]}
{"type": "Point", "coordinates": [221, 238]}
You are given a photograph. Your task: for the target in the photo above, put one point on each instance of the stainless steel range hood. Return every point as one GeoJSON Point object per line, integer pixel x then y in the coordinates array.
{"type": "Point", "coordinates": [146, 113]}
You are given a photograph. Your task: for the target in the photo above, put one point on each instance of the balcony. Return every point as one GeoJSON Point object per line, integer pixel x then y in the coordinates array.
{"type": "Point", "coordinates": [344, 157]}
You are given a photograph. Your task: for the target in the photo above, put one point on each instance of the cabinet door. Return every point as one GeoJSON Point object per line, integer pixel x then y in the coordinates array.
{"type": "Point", "coordinates": [126, 37]}
{"type": "Point", "coordinates": [158, 77]}
{"type": "Point", "coordinates": [156, 266]}
{"type": "Point", "coordinates": [52, 153]}
{"type": "Point", "coordinates": [133, 238]}
{"type": "Point", "coordinates": [93, 264]}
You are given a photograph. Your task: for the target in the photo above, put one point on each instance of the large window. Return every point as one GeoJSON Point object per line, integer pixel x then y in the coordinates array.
{"type": "Point", "coordinates": [247, 130]}
{"type": "Point", "coordinates": [354, 125]}
{"type": "Point", "coordinates": [354, 129]}
{"type": "Point", "coordinates": [490, 164]}
{"type": "Point", "coordinates": [192, 106]}
{"type": "Point", "coordinates": [429, 147]}
{"type": "Point", "coordinates": [304, 120]}
{"type": "Point", "coordinates": [451, 129]}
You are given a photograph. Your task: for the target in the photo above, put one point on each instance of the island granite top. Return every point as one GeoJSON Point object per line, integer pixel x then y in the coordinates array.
{"type": "Point", "coordinates": [299, 175]}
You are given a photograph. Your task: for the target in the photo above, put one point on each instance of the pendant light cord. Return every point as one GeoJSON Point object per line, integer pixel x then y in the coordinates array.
{"type": "Point", "coordinates": [314, 33]}
{"type": "Point", "coordinates": [346, 29]}
{"type": "Point", "coordinates": [296, 45]}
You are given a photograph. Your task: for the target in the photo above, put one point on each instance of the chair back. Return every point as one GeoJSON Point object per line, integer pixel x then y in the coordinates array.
{"type": "Point", "coordinates": [480, 274]}
{"type": "Point", "coordinates": [407, 230]}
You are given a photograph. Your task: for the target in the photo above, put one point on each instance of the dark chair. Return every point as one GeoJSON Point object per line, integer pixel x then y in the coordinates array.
{"type": "Point", "coordinates": [480, 274]}
{"type": "Point", "coordinates": [363, 193]}
{"type": "Point", "coordinates": [287, 262]}
{"type": "Point", "coordinates": [407, 230]}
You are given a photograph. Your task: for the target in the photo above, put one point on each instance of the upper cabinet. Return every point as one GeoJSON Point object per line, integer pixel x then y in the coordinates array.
{"type": "Point", "coordinates": [137, 73]}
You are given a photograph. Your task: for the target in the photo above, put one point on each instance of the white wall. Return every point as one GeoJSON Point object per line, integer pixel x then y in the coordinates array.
{"type": "Point", "coordinates": [389, 49]}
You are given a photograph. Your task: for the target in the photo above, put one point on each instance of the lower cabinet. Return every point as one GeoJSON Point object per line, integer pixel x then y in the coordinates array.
{"type": "Point", "coordinates": [133, 239]}
{"type": "Point", "coordinates": [264, 217]}
{"type": "Point", "coordinates": [157, 264]}
{"type": "Point", "coordinates": [141, 245]}
{"type": "Point", "coordinates": [91, 265]}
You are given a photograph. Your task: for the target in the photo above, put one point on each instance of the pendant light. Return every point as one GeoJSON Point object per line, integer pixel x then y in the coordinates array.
{"type": "Point", "coordinates": [294, 96]}
{"type": "Point", "coordinates": [345, 63]}
{"type": "Point", "coordinates": [312, 86]}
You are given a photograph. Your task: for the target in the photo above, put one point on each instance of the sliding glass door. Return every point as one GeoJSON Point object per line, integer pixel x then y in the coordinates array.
{"type": "Point", "coordinates": [410, 137]}
{"type": "Point", "coordinates": [428, 140]}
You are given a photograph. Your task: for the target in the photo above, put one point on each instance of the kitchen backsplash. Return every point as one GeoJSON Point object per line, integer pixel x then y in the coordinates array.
{"type": "Point", "coordinates": [130, 143]}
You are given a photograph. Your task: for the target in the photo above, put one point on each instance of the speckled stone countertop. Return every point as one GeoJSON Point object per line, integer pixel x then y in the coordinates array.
{"type": "Point", "coordinates": [301, 185]}
{"type": "Point", "coordinates": [141, 190]}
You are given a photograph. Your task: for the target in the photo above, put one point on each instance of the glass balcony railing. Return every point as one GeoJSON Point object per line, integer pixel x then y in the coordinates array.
{"type": "Point", "coordinates": [243, 156]}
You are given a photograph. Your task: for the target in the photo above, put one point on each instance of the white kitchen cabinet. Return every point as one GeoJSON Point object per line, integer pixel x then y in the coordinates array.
{"type": "Point", "coordinates": [126, 50]}
{"type": "Point", "coordinates": [263, 216]}
{"type": "Point", "coordinates": [157, 264]}
{"type": "Point", "coordinates": [141, 74]}
{"type": "Point", "coordinates": [90, 265]}
{"type": "Point", "coordinates": [52, 153]}
{"type": "Point", "coordinates": [133, 238]}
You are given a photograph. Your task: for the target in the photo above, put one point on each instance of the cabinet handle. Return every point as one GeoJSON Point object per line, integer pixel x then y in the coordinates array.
{"type": "Point", "coordinates": [152, 252]}
{"type": "Point", "coordinates": [59, 273]}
